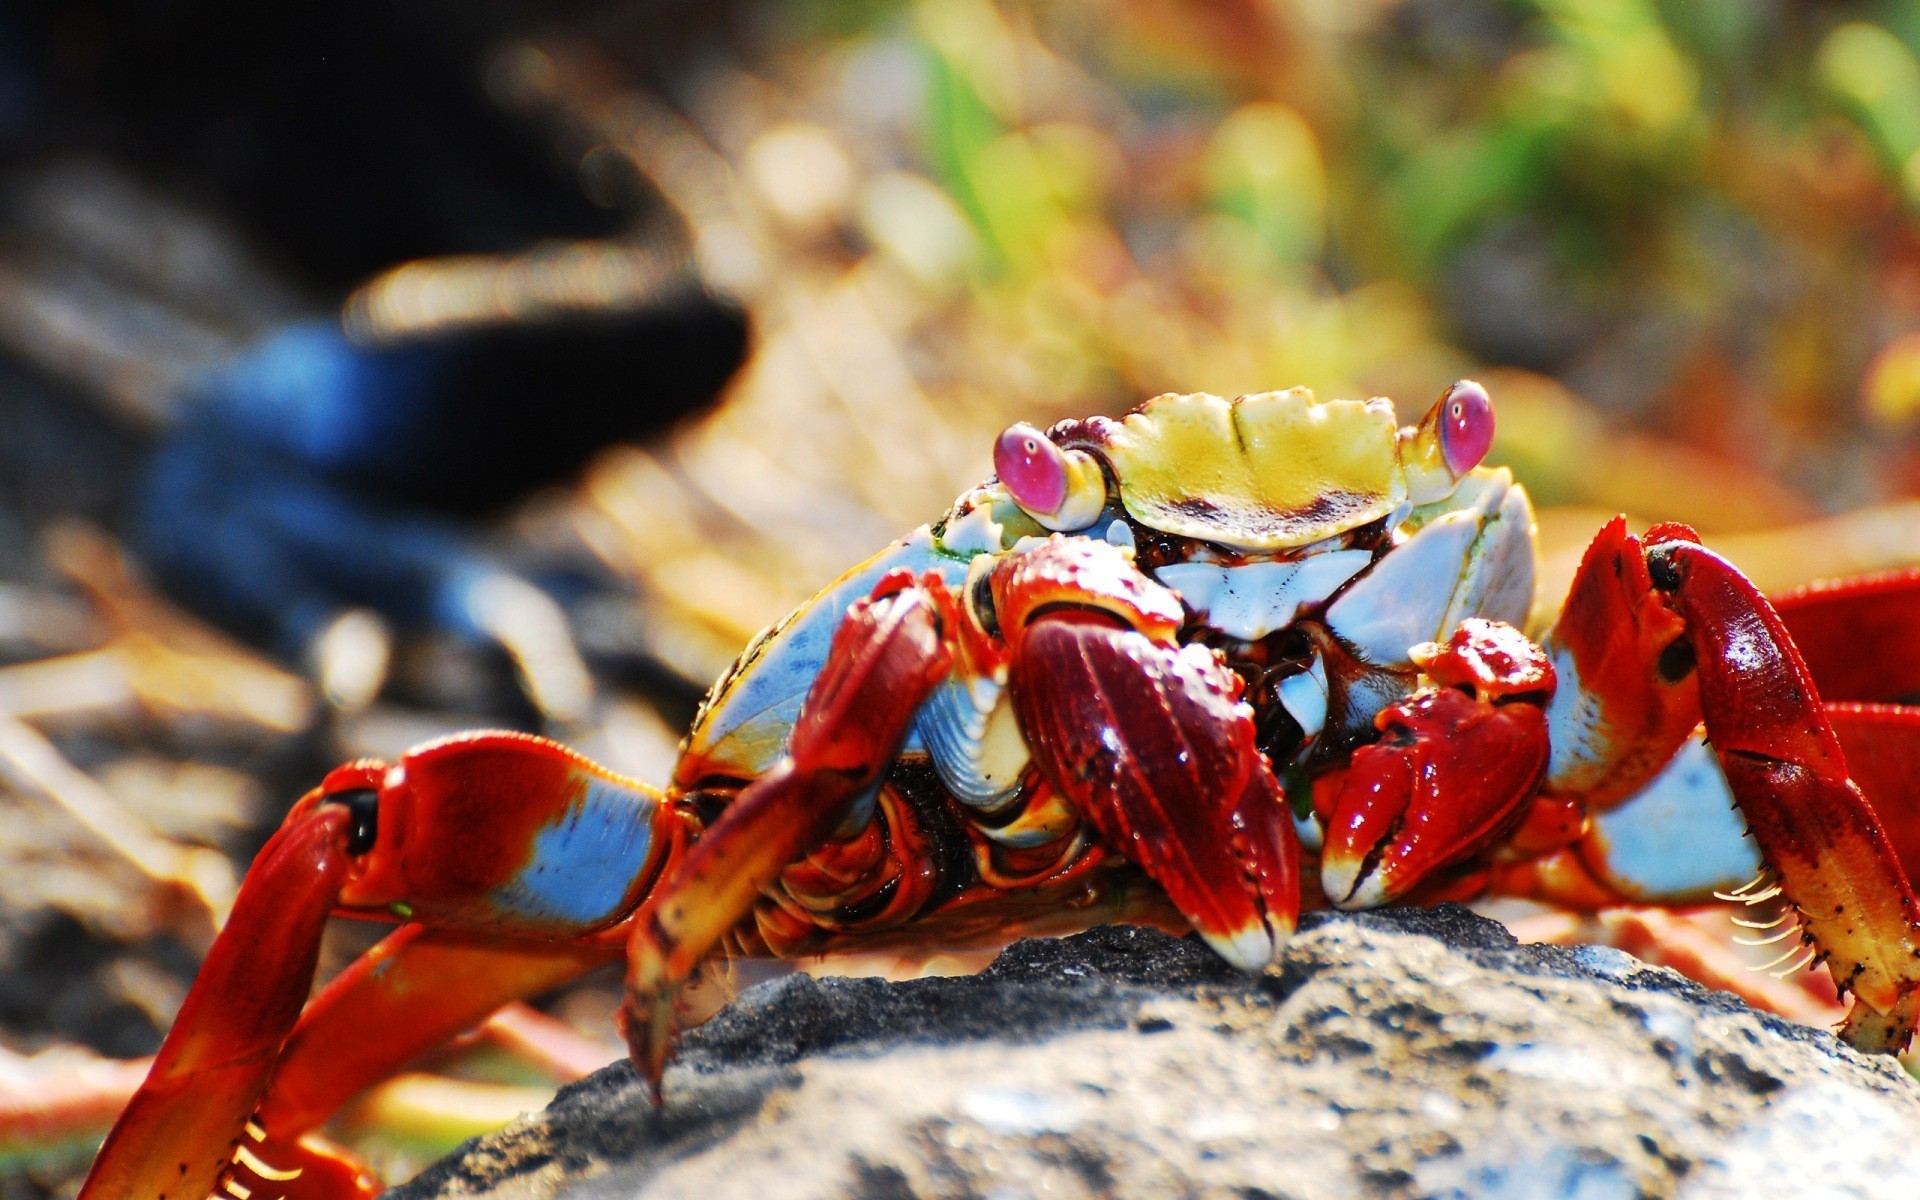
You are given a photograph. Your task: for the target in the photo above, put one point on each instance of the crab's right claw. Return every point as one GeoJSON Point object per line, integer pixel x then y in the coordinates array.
{"type": "Point", "coordinates": [1452, 773]}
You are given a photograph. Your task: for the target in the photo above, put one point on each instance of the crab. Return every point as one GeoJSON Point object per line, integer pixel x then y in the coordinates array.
{"type": "Point", "coordinates": [1198, 667]}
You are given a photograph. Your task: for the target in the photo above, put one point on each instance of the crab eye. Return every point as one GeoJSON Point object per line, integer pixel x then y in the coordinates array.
{"type": "Point", "coordinates": [1466, 426]}
{"type": "Point", "coordinates": [1033, 469]}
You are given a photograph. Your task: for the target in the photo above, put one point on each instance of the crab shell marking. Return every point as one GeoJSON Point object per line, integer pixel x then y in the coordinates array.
{"type": "Point", "coordinates": [1272, 471]}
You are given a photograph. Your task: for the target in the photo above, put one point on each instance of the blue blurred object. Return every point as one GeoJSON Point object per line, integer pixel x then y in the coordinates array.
{"type": "Point", "coordinates": [265, 542]}
{"type": "Point", "coordinates": [314, 475]}
{"type": "Point", "coordinates": [307, 392]}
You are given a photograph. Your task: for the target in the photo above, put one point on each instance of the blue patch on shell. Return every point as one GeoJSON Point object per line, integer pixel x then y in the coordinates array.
{"type": "Point", "coordinates": [1680, 838]}
{"type": "Point", "coordinates": [584, 865]}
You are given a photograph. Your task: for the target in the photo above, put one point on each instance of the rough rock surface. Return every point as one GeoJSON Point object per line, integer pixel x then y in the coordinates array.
{"type": "Point", "coordinates": [1415, 1053]}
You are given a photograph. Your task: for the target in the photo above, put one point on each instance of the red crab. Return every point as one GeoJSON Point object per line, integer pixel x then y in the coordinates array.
{"type": "Point", "coordinates": [1184, 666]}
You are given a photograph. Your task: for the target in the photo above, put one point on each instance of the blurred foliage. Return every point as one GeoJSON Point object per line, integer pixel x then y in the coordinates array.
{"type": "Point", "coordinates": [1698, 215]}
{"type": "Point", "coordinates": [1692, 221]}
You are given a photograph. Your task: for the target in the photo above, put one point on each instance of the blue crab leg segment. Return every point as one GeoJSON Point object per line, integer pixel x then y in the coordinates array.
{"type": "Point", "coordinates": [1827, 849]}
{"type": "Point", "coordinates": [887, 656]}
{"type": "Point", "coordinates": [1150, 741]}
{"type": "Point", "coordinates": [507, 834]}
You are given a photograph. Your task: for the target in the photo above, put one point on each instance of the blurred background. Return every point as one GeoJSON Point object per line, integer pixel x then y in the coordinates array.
{"type": "Point", "coordinates": [374, 370]}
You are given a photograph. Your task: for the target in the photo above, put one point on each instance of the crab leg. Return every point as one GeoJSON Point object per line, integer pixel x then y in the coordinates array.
{"type": "Point", "coordinates": [504, 837]}
{"type": "Point", "coordinates": [413, 991]}
{"type": "Point", "coordinates": [1882, 744]}
{"type": "Point", "coordinates": [1859, 637]}
{"type": "Point", "coordinates": [187, 1119]}
{"type": "Point", "coordinates": [1829, 853]}
{"type": "Point", "coordinates": [887, 655]}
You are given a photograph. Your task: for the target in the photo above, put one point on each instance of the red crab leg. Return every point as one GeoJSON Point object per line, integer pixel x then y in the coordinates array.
{"type": "Point", "coordinates": [504, 836]}
{"type": "Point", "coordinates": [1859, 637]}
{"type": "Point", "coordinates": [1150, 741]}
{"type": "Point", "coordinates": [180, 1128]}
{"type": "Point", "coordinates": [887, 655]}
{"type": "Point", "coordinates": [1829, 853]}
{"type": "Point", "coordinates": [413, 991]}
{"type": "Point", "coordinates": [1882, 744]}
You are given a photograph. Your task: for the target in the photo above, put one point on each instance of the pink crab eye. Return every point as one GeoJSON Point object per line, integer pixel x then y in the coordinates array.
{"type": "Point", "coordinates": [1466, 426]}
{"type": "Point", "coordinates": [1033, 469]}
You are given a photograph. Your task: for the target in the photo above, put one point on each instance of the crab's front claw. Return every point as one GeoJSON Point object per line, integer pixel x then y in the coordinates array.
{"type": "Point", "coordinates": [1151, 743]}
{"type": "Point", "coordinates": [190, 1116]}
{"type": "Point", "coordinates": [1149, 740]}
{"type": "Point", "coordinates": [1450, 776]}
{"type": "Point", "coordinates": [1828, 852]}
{"type": "Point", "coordinates": [1452, 773]}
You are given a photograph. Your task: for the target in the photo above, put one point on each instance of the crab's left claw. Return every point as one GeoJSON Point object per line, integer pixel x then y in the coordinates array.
{"type": "Point", "coordinates": [1452, 773]}
{"type": "Point", "coordinates": [1151, 743]}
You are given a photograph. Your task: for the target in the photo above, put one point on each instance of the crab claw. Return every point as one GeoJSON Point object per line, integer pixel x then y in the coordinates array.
{"type": "Point", "coordinates": [1452, 771]}
{"type": "Point", "coordinates": [1152, 745]}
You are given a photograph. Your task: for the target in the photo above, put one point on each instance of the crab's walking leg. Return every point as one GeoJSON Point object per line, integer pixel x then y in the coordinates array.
{"type": "Point", "coordinates": [1882, 743]}
{"type": "Point", "coordinates": [1828, 851]}
{"type": "Point", "coordinates": [506, 838]}
{"type": "Point", "coordinates": [416, 989]}
{"type": "Point", "coordinates": [1150, 741]}
{"type": "Point", "coordinates": [887, 655]}
{"type": "Point", "coordinates": [188, 1118]}
{"type": "Point", "coordinates": [1859, 637]}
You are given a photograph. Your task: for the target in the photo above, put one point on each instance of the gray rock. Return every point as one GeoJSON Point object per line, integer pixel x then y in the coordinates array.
{"type": "Point", "coordinates": [1413, 1053]}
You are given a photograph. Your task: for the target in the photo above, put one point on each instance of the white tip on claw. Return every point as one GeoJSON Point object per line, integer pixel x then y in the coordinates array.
{"type": "Point", "coordinates": [1341, 880]}
{"type": "Point", "coordinates": [1250, 949]}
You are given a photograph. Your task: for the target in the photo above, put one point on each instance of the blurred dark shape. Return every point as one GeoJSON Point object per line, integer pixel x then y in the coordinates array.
{"type": "Point", "coordinates": [1513, 300]}
{"type": "Point", "coordinates": [469, 421]}
{"type": "Point", "coordinates": [344, 136]}
{"type": "Point", "coordinates": [314, 474]}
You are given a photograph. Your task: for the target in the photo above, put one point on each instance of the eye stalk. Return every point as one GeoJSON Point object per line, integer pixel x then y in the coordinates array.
{"type": "Point", "coordinates": [1062, 489]}
{"type": "Point", "coordinates": [1451, 440]}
